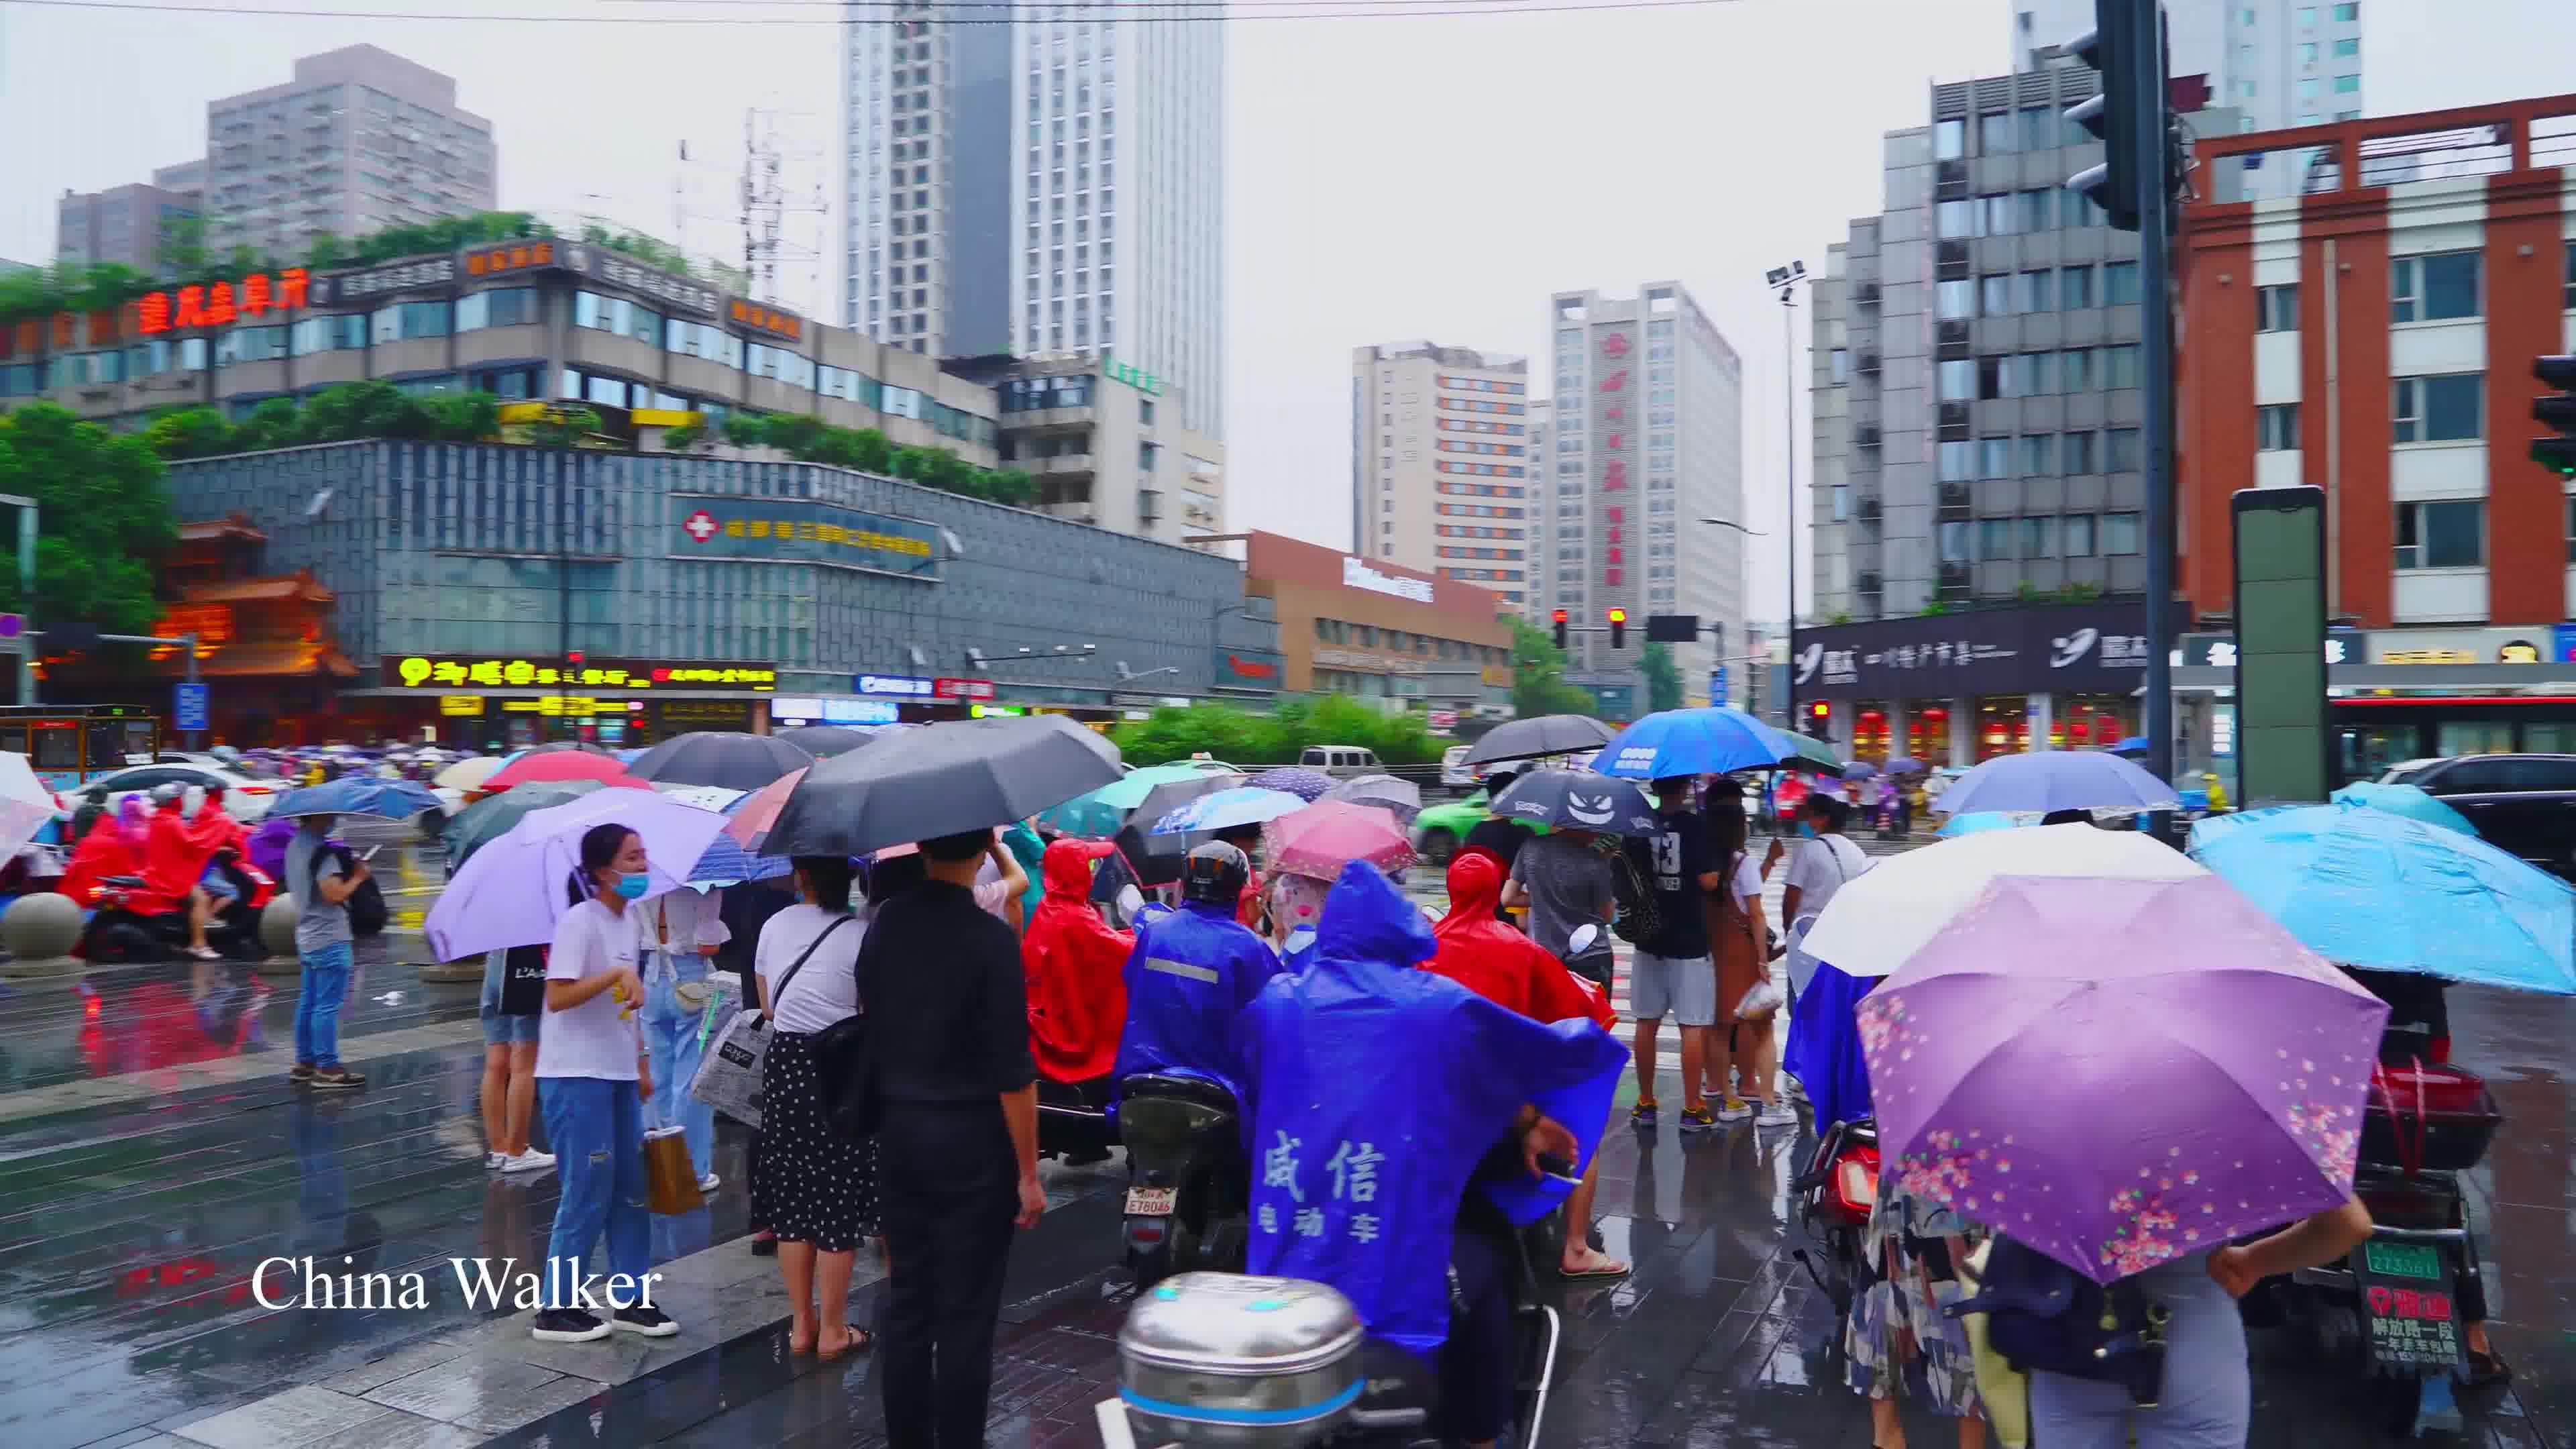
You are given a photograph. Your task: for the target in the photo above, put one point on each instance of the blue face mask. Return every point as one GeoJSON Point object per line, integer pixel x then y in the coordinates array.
{"type": "Point", "coordinates": [1807, 829]}
{"type": "Point", "coordinates": [633, 886]}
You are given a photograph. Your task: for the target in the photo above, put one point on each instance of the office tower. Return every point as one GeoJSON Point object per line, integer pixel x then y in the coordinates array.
{"type": "Point", "coordinates": [1440, 461]}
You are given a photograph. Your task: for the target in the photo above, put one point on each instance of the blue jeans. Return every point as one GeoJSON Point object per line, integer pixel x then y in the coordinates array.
{"type": "Point", "coordinates": [596, 1128]}
{"type": "Point", "coordinates": [317, 1010]}
{"type": "Point", "coordinates": [671, 1038]}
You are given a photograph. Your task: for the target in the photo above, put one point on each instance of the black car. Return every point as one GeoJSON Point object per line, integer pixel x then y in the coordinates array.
{"type": "Point", "coordinates": [2522, 803]}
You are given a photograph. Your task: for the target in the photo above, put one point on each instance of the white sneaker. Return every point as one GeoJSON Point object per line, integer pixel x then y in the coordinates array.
{"type": "Point", "coordinates": [495, 1159]}
{"type": "Point", "coordinates": [1734, 1109]}
{"type": "Point", "coordinates": [710, 1183]}
{"type": "Point", "coordinates": [1776, 1114]}
{"type": "Point", "coordinates": [529, 1161]}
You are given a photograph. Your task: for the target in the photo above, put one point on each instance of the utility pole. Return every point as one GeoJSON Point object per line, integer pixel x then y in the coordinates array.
{"type": "Point", "coordinates": [1785, 280]}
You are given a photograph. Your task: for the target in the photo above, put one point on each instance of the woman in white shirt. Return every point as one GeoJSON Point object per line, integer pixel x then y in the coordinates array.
{"type": "Point", "coordinates": [814, 1188]}
{"type": "Point", "coordinates": [592, 1079]}
{"type": "Point", "coordinates": [676, 934]}
{"type": "Point", "coordinates": [1823, 864]}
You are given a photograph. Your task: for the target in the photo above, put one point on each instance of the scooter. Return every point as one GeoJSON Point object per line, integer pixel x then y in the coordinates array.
{"type": "Point", "coordinates": [1836, 1194]}
{"type": "Point", "coordinates": [118, 932]}
{"type": "Point", "coordinates": [1074, 1122]}
{"type": "Point", "coordinates": [1189, 1180]}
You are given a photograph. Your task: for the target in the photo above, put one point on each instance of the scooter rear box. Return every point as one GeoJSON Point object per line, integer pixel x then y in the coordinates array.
{"type": "Point", "coordinates": [2458, 1118]}
{"type": "Point", "coordinates": [1227, 1359]}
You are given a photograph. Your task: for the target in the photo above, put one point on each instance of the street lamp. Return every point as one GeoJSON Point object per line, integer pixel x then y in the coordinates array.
{"type": "Point", "coordinates": [1738, 527]}
{"type": "Point", "coordinates": [1784, 281]}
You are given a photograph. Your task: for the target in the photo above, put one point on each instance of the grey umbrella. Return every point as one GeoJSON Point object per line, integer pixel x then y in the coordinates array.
{"type": "Point", "coordinates": [825, 741]}
{"type": "Point", "coordinates": [1403, 797]}
{"type": "Point", "coordinates": [940, 780]}
{"type": "Point", "coordinates": [1577, 800]}
{"type": "Point", "coordinates": [1157, 858]}
{"type": "Point", "coordinates": [1546, 734]}
{"type": "Point", "coordinates": [726, 759]}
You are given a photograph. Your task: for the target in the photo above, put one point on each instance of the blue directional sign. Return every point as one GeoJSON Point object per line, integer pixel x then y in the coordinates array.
{"type": "Point", "coordinates": [188, 706]}
{"type": "Point", "coordinates": [1717, 685]}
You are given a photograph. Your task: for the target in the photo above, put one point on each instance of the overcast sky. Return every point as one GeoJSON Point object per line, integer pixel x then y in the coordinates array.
{"type": "Point", "coordinates": [1387, 178]}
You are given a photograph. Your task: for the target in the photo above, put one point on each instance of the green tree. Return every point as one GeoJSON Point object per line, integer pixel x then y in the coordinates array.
{"type": "Point", "coordinates": [686, 438]}
{"type": "Point", "coordinates": [1538, 675]}
{"type": "Point", "coordinates": [326, 249]}
{"type": "Point", "coordinates": [181, 249]}
{"type": "Point", "coordinates": [1663, 676]}
{"type": "Point", "coordinates": [103, 514]}
{"type": "Point", "coordinates": [198, 432]}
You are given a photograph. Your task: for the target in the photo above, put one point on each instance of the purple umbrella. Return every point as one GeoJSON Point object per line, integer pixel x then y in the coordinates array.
{"type": "Point", "coordinates": [2046, 780]}
{"type": "Point", "coordinates": [1307, 785]}
{"type": "Point", "coordinates": [513, 890]}
{"type": "Point", "coordinates": [2120, 1072]}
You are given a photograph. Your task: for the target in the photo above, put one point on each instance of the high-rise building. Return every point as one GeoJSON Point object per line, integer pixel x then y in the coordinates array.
{"type": "Point", "coordinates": [1051, 186]}
{"type": "Point", "coordinates": [1440, 460]}
{"type": "Point", "coordinates": [2275, 63]}
{"type": "Point", "coordinates": [1646, 433]}
{"type": "Point", "coordinates": [360, 140]}
{"type": "Point", "coordinates": [122, 224]}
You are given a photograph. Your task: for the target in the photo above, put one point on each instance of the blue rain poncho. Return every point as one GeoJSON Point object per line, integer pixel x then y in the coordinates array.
{"type": "Point", "coordinates": [1375, 1090]}
{"type": "Point", "coordinates": [1192, 970]}
{"type": "Point", "coordinates": [1824, 1046]}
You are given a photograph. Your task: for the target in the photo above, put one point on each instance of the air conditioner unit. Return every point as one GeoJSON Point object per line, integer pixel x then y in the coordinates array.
{"type": "Point", "coordinates": [1865, 435]}
{"type": "Point", "coordinates": [1866, 294]}
{"type": "Point", "coordinates": [1869, 364]}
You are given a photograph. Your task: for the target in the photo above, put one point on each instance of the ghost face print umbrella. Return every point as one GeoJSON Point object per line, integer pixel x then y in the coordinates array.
{"type": "Point", "coordinates": [2120, 1072]}
{"type": "Point", "coordinates": [1577, 800]}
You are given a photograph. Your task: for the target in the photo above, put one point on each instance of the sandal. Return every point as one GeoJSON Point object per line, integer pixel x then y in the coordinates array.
{"type": "Point", "coordinates": [860, 1340]}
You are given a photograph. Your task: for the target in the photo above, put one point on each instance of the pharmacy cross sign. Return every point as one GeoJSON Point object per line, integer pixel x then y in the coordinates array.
{"type": "Point", "coordinates": [701, 525]}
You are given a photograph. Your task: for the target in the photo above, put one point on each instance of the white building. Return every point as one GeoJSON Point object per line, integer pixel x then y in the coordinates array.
{"type": "Point", "coordinates": [2278, 63]}
{"type": "Point", "coordinates": [1646, 433]}
{"type": "Point", "coordinates": [1049, 187]}
{"type": "Point", "coordinates": [1440, 461]}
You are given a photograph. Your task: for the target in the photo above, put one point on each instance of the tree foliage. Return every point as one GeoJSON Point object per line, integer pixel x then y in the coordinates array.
{"type": "Point", "coordinates": [347, 413]}
{"type": "Point", "coordinates": [1243, 738]}
{"type": "Point", "coordinates": [1538, 675]}
{"type": "Point", "coordinates": [103, 518]}
{"type": "Point", "coordinates": [1663, 676]}
{"type": "Point", "coordinates": [809, 439]}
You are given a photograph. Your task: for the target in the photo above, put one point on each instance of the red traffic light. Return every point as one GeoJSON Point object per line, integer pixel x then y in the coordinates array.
{"type": "Point", "coordinates": [572, 656]}
{"type": "Point", "coordinates": [1820, 709]}
{"type": "Point", "coordinates": [1618, 616]}
{"type": "Point", "coordinates": [1560, 616]}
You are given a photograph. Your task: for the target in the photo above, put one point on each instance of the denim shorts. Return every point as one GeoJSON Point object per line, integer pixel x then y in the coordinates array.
{"type": "Point", "coordinates": [500, 1030]}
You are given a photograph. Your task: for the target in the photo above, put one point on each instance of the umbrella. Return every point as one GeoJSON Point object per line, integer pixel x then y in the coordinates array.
{"type": "Point", "coordinates": [2133, 745]}
{"type": "Point", "coordinates": [1905, 765]}
{"type": "Point", "coordinates": [1710, 741]}
{"type": "Point", "coordinates": [1979, 821]}
{"type": "Point", "coordinates": [2412, 801]}
{"type": "Point", "coordinates": [559, 747]}
{"type": "Point", "coordinates": [1402, 798]}
{"type": "Point", "coordinates": [560, 765]}
{"type": "Point", "coordinates": [756, 812]}
{"type": "Point", "coordinates": [1156, 859]}
{"type": "Point", "coordinates": [468, 773]}
{"type": "Point", "coordinates": [1097, 814]}
{"type": "Point", "coordinates": [1808, 752]}
{"type": "Point", "coordinates": [1546, 734]}
{"type": "Point", "coordinates": [2120, 1072]}
{"type": "Point", "coordinates": [958, 776]}
{"type": "Point", "coordinates": [1887, 913]}
{"type": "Point", "coordinates": [706, 797]}
{"type": "Point", "coordinates": [359, 795]}
{"type": "Point", "coordinates": [2046, 780]}
{"type": "Point", "coordinates": [727, 863]}
{"type": "Point", "coordinates": [2363, 887]}
{"type": "Point", "coordinates": [491, 817]}
{"type": "Point", "coordinates": [1577, 800]}
{"type": "Point", "coordinates": [1227, 810]}
{"type": "Point", "coordinates": [1859, 770]}
{"type": "Point", "coordinates": [512, 891]}
{"type": "Point", "coordinates": [730, 758]}
{"type": "Point", "coordinates": [825, 741]}
{"type": "Point", "coordinates": [25, 804]}
{"type": "Point", "coordinates": [1322, 838]}
{"type": "Point", "coordinates": [1305, 784]}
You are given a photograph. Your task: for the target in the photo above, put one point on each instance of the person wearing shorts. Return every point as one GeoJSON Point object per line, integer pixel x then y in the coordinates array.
{"type": "Point", "coordinates": [512, 979]}
{"type": "Point", "coordinates": [1671, 974]}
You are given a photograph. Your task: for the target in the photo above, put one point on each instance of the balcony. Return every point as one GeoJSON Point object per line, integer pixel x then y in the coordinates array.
{"type": "Point", "coordinates": [1062, 465]}
{"type": "Point", "coordinates": [1865, 435]}
{"type": "Point", "coordinates": [1866, 294]}
{"type": "Point", "coordinates": [1867, 365]}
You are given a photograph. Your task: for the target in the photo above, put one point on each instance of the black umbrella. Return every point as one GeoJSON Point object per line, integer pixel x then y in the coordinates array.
{"type": "Point", "coordinates": [1577, 800]}
{"type": "Point", "coordinates": [1157, 858]}
{"type": "Point", "coordinates": [491, 817]}
{"type": "Point", "coordinates": [941, 780]}
{"type": "Point", "coordinates": [824, 741]}
{"type": "Point", "coordinates": [727, 759]}
{"type": "Point", "coordinates": [1547, 734]}
{"type": "Point", "coordinates": [557, 746]}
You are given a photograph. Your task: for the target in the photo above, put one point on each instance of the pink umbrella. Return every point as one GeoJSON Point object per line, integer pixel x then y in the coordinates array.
{"type": "Point", "coordinates": [1329, 834]}
{"type": "Point", "coordinates": [563, 765]}
{"type": "Point", "coordinates": [759, 810]}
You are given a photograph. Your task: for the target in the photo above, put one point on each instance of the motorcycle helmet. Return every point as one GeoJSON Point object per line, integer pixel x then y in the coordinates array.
{"type": "Point", "coordinates": [169, 793]}
{"type": "Point", "coordinates": [1215, 874]}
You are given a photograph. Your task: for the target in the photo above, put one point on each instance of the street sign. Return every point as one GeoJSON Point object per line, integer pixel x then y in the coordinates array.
{"type": "Point", "coordinates": [188, 706]}
{"type": "Point", "coordinates": [1717, 685]}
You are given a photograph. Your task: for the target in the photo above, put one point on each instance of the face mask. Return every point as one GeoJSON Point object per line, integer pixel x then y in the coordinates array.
{"type": "Point", "coordinates": [1806, 830]}
{"type": "Point", "coordinates": [633, 886]}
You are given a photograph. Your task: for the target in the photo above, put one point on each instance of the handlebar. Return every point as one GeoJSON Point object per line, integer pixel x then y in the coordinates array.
{"type": "Point", "coordinates": [1376, 1419]}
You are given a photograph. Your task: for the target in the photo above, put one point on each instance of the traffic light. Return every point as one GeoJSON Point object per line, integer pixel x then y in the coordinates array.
{"type": "Point", "coordinates": [2559, 412]}
{"type": "Point", "coordinates": [1820, 718]}
{"type": "Point", "coordinates": [1560, 628]}
{"type": "Point", "coordinates": [1672, 628]}
{"type": "Point", "coordinates": [1618, 628]}
{"type": "Point", "coordinates": [2121, 113]}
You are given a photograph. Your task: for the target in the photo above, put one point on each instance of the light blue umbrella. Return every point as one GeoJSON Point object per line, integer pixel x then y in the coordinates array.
{"type": "Point", "coordinates": [1712, 741]}
{"type": "Point", "coordinates": [2133, 745]}
{"type": "Point", "coordinates": [359, 795]}
{"type": "Point", "coordinates": [1226, 809]}
{"type": "Point", "coordinates": [2045, 780]}
{"type": "Point", "coordinates": [2411, 801]}
{"type": "Point", "coordinates": [1979, 822]}
{"type": "Point", "coordinates": [2366, 888]}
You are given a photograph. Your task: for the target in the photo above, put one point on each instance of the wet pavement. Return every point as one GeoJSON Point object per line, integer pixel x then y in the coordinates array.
{"type": "Point", "coordinates": [131, 1219]}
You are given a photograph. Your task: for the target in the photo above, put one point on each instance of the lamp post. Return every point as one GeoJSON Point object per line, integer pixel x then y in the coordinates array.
{"type": "Point", "coordinates": [1784, 281]}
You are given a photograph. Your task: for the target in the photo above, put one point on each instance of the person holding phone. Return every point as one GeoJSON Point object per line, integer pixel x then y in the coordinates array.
{"type": "Point", "coordinates": [326, 949]}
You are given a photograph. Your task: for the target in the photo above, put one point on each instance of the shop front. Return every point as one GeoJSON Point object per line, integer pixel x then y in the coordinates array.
{"type": "Point", "coordinates": [1372, 630]}
{"type": "Point", "coordinates": [491, 701]}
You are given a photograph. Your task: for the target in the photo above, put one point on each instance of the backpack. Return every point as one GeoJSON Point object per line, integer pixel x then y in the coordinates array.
{"type": "Point", "coordinates": [1641, 912]}
{"type": "Point", "coordinates": [365, 905]}
{"type": "Point", "coordinates": [2041, 1314]}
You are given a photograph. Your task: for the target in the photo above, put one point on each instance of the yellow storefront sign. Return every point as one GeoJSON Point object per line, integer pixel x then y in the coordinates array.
{"type": "Point", "coordinates": [466, 704]}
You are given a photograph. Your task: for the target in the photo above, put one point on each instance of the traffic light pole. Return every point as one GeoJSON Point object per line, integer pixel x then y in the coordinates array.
{"type": "Point", "coordinates": [2146, 58]}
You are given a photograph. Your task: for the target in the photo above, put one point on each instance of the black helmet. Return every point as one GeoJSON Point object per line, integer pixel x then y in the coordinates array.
{"type": "Point", "coordinates": [1215, 873]}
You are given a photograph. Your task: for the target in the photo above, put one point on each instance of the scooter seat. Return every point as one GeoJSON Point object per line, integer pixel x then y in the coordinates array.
{"type": "Point", "coordinates": [1091, 1095]}
{"type": "Point", "coordinates": [127, 882]}
{"type": "Point", "coordinates": [1188, 1089]}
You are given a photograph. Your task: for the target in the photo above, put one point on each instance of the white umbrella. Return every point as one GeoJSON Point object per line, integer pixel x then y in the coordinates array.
{"type": "Point", "coordinates": [1895, 908]}
{"type": "Point", "coordinates": [25, 803]}
{"type": "Point", "coordinates": [468, 773]}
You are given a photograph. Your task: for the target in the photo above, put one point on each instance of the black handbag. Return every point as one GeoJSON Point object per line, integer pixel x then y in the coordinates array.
{"type": "Point", "coordinates": [2041, 1314]}
{"type": "Point", "coordinates": [523, 981]}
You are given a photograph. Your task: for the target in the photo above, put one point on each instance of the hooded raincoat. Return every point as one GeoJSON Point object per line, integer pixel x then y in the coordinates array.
{"type": "Point", "coordinates": [1191, 970]}
{"type": "Point", "coordinates": [1478, 951]}
{"type": "Point", "coordinates": [1076, 969]}
{"type": "Point", "coordinates": [174, 858]}
{"type": "Point", "coordinates": [1376, 1088]}
{"type": "Point", "coordinates": [100, 854]}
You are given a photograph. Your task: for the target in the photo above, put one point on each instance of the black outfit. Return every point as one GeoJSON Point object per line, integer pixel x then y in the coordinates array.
{"type": "Point", "coordinates": [814, 1185]}
{"type": "Point", "coordinates": [943, 979]}
{"type": "Point", "coordinates": [1674, 859]}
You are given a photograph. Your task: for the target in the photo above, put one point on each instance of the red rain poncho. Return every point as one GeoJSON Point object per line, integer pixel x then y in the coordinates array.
{"type": "Point", "coordinates": [1497, 962]}
{"type": "Point", "coordinates": [211, 829]}
{"type": "Point", "coordinates": [1074, 963]}
{"type": "Point", "coordinates": [100, 854]}
{"type": "Point", "coordinates": [174, 857]}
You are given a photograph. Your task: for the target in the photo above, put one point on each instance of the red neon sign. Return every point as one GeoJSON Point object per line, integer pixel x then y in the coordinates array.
{"type": "Point", "coordinates": [220, 304]}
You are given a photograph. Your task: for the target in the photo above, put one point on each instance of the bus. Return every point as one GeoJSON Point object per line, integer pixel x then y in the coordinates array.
{"type": "Point", "coordinates": [69, 745]}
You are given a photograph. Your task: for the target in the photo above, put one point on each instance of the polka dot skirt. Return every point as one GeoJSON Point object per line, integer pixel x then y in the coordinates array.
{"type": "Point", "coordinates": [812, 1185]}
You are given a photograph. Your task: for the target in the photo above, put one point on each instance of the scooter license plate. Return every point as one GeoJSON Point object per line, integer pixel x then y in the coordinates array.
{"type": "Point", "coordinates": [2410, 1322]}
{"type": "Point", "coordinates": [1150, 1202]}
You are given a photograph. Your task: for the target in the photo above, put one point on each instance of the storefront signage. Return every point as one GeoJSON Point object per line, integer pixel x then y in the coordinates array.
{"type": "Point", "coordinates": [762, 317]}
{"type": "Point", "coordinates": [1246, 669]}
{"type": "Point", "coordinates": [2218, 651]}
{"type": "Point", "coordinates": [619, 270]}
{"type": "Point", "coordinates": [573, 705]}
{"type": "Point", "coordinates": [460, 704]}
{"type": "Point", "coordinates": [996, 711]}
{"type": "Point", "coordinates": [1135, 377]}
{"type": "Point", "coordinates": [525, 256]}
{"type": "Point", "coordinates": [450, 671]}
{"type": "Point", "coordinates": [1497, 676]}
{"type": "Point", "coordinates": [1356, 574]}
{"type": "Point", "coordinates": [834, 709]}
{"type": "Point", "coordinates": [2538, 644]}
{"type": "Point", "coordinates": [220, 304]}
{"type": "Point", "coordinates": [211, 623]}
{"type": "Point", "coordinates": [962, 688]}
{"type": "Point", "coordinates": [797, 531]}
{"type": "Point", "coordinates": [900, 686]}
{"type": "Point", "coordinates": [1371, 663]}
{"type": "Point", "coordinates": [2062, 649]}
{"type": "Point", "coordinates": [376, 281]}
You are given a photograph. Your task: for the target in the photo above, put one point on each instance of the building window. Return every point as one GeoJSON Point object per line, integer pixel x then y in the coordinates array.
{"type": "Point", "coordinates": [2443, 409]}
{"type": "Point", "coordinates": [1994, 457]}
{"type": "Point", "coordinates": [1994, 378]}
{"type": "Point", "coordinates": [2039, 538]}
{"type": "Point", "coordinates": [2442, 535]}
{"type": "Point", "coordinates": [2348, 12]}
{"type": "Point", "coordinates": [2037, 210]}
{"type": "Point", "coordinates": [2120, 365]}
{"type": "Point", "coordinates": [2034, 375]}
{"type": "Point", "coordinates": [2346, 85]}
{"type": "Point", "coordinates": [2074, 288]}
{"type": "Point", "coordinates": [1957, 461]}
{"type": "Point", "coordinates": [2120, 283]}
{"type": "Point", "coordinates": [1995, 213]}
{"type": "Point", "coordinates": [2079, 453]}
{"type": "Point", "coordinates": [1956, 379]}
{"type": "Point", "coordinates": [1955, 300]}
{"type": "Point", "coordinates": [1994, 133]}
{"type": "Point", "coordinates": [1994, 295]}
{"type": "Point", "coordinates": [2119, 533]}
{"type": "Point", "coordinates": [2277, 308]}
{"type": "Point", "coordinates": [2567, 281]}
{"type": "Point", "coordinates": [1949, 140]}
{"type": "Point", "coordinates": [2038, 127]}
{"type": "Point", "coordinates": [2038, 454]}
{"type": "Point", "coordinates": [2038, 294]}
{"type": "Point", "coordinates": [2078, 536]}
{"type": "Point", "coordinates": [2120, 450]}
{"type": "Point", "coordinates": [1954, 542]}
{"type": "Point", "coordinates": [1955, 218]}
{"type": "Point", "coordinates": [1994, 538]}
{"type": "Point", "coordinates": [2433, 288]}
{"type": "Point", "coordinates": [2079, 371]}
{"type": "Point", "coordinates": [2277, 428]}
{"type": "Point", "coordinates": [1838, 362]}
{"type": "Point", "coordinates": [2345, 48]}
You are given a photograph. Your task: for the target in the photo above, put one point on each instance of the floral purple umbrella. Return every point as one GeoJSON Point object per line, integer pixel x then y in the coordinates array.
{"type": "Point", "coordinates": [1307, 785]}
{"type": "Point", "coordinates": [2120, 1072]}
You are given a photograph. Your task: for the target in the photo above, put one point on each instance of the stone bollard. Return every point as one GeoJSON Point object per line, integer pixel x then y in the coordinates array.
{"type": "Point", "coordinates": [40, 930]}
{"type": "Point", "coordinates": [451, 972]}
{"type": "Point", "coordinates": [277, 933]}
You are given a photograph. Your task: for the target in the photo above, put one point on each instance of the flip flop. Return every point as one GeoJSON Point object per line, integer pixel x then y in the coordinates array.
{"type": "Point", "coordinates": [1621, 1271]}
{"type": "Point", "coordinates": [860, 1341]}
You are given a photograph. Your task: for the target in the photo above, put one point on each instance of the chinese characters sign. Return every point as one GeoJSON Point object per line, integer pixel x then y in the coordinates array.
{"type": "Point", "coordinates": [761, 317]}
{"type": "Point", "coordinates": [459, 671]}
{"type": "Point", "coordinates": [2074, 648]}
{"type": "Point", "coordinates": [220, 304]}
{"type": "Point", "coordinates": [1350, 1174]}
{"type": "Point", "coordinates": [799, 531]}
{"type": "Point", "coordinates": [513, 257]}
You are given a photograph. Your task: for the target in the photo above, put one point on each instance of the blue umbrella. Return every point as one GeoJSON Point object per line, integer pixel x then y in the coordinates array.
{"type": "Point", "coordinates": [1859, 770]}
{"type": "Point", "coordinates": [2133, 745]}
{"type": "Point", "coordinates": [726, 863]}
{"type": "Point", "coordinates": [1903, 765]}
{"type": "Point", "coordinates": [1978, 823]}
{"type": "Point", "coordinates": [1711, 741]}
{"type": "Point", "coordinates": [1226, 809]}
{"type": "Point", "coordinates": [1305, 784]}
{"type": "Point", "coordinates": [2366, 888]}
{"type": "Point", "coordinates": [2411, 801]}
{"type": "Point", "coordinates": [2046, 780]}
{"type": "Point", "coordinates": [359, 795]}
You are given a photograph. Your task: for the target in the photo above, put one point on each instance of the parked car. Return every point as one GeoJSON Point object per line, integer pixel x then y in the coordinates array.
{"type": "Point", "coordinates": [2522, 803]}
{"type": "Point", "coordinates": [1455, 772]}
{"type": "Point", "coordinates": [1342, 762]}
{"type": "Point", "coordinates": [1440, 829]}
{"type": "Point", "coordinates": [245, 799]}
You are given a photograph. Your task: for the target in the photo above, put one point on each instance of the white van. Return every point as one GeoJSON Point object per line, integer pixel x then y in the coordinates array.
{"type": "Point", "coordinates": [1342, 762]}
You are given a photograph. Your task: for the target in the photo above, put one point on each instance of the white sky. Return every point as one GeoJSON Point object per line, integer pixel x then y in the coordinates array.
{"type": "Point", "coordinates": [1388, 178]}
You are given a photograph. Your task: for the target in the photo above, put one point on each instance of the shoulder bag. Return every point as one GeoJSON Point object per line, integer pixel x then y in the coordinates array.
{"type": "Point", "coordinates": [2041, 1314]}
{"type": "Point", "coordinates": [845, 1071]}
{"type": "Point", "coordinates": [729, 1076]}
